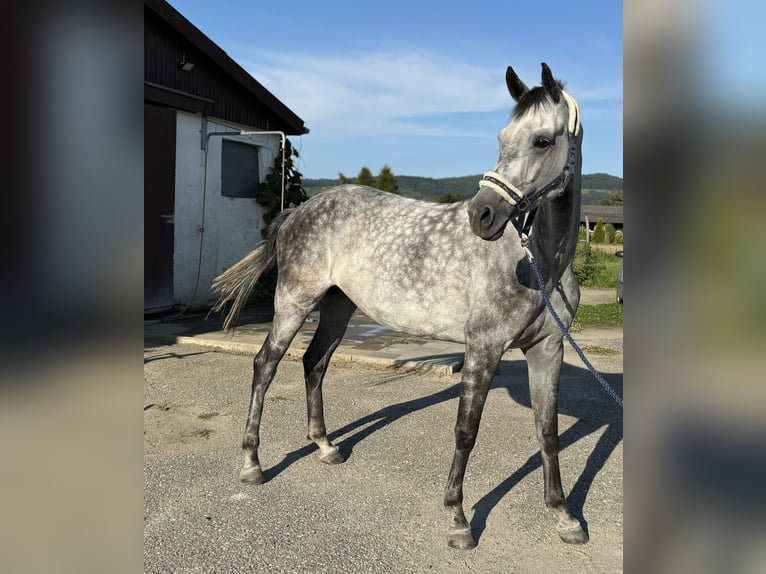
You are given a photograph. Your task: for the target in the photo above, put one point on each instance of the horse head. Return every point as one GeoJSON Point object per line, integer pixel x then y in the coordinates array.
{"type": "Point", "coordinates": [537, 155]}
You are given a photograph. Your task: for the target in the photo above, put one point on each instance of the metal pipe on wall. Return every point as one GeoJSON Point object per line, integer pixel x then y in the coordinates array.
{"type": "Point", "coordinates": [205, 145]}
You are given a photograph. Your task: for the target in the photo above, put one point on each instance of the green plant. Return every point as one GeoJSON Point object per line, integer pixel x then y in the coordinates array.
{"type": "Point", "coordinates": [595, 268]}
{"type": "Point", "coordinates": [599, 232]}
{"type": "Point", "coordinates": [580, 262]}
{"type": "Point", "coordinates": [450, 197]}
{"type": "Point", "coordinates": [386, 180]}
{"type": "Point", "coordinates": [618, 237]}
{"type": "Point", "coordinates": [582, 235]}
{"type": "Point", "coordinates": [270, 191]}
{"type": "Point", "coordinates": [609, 232]}
{"type": "Point", "coordinates": [365, 177]}
{"type": "Point", "coordinates": [614, 199]}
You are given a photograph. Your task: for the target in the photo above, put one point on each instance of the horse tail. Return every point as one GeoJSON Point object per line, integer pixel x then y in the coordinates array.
{"type": "Point", "coordinates": [238, 280]}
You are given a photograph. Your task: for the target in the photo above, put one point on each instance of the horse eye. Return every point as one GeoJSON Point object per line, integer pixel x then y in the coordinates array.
{"type": "Point", "coordinates": [542, 143]}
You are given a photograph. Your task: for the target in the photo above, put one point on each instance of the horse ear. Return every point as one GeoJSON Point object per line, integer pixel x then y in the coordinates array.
{"type": "Point", "coordinates": [551, 86]}
{"type": "Point", "coordinates": [516, 87]}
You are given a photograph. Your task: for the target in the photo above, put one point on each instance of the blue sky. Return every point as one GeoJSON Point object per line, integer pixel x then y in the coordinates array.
{"type": "Point", "coordinates": [420, 86]}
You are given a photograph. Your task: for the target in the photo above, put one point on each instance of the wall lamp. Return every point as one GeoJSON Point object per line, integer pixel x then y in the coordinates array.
{"type": "Point", "coordinates": [184, 65]}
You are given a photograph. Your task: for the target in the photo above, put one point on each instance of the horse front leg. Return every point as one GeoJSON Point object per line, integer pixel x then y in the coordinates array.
{"type": "Point", "coordinates": [479, 368]}
{"type": "Point", "coordinates": [544, 363]}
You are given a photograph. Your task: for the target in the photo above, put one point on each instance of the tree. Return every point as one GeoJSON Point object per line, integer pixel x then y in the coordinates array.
{"type": "Point", "coordinates": [365, 177]}
{"type": "Point", "coordinates": [386, 180]}
{"type": "Point", "coordinates": [614, 199]}
{"type": "Point", "coordinates": [449, 197]}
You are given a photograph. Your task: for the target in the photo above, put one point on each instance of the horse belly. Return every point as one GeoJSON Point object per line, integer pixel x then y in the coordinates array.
{"type": "Point", "coordinates": [417, 310]}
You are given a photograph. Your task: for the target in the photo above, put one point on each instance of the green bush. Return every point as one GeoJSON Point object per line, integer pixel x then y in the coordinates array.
{"type": "Point", "coordinates": [581, 233]}
{"type": "Point", "coordinates": [270, 191]}
{"type": "Point", "coordinates": [595, 268]}
{"type": "Point", "coordinates": [580, 262]}
{"type": "Point", "coordinates": [609, 232]}
{"type": "Point", "coordinates": [618, 237]}
{"type": "Point", "coordinates": [599, 233]}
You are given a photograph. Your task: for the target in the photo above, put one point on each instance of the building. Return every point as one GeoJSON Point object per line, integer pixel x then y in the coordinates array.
{"type": "Point", "coordinates": [606, 213]}
{"type": "Point", "coordinates": [200, 175]}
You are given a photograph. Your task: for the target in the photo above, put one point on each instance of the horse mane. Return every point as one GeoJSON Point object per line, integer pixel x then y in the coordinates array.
{"type": "Point", "coordinates": [532, 99]}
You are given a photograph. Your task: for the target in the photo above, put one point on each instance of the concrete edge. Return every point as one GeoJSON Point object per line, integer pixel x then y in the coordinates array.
{"type": "Point", "coordinates": [446, 366]}
{"type": "Point", "coordinates": [295, 353]}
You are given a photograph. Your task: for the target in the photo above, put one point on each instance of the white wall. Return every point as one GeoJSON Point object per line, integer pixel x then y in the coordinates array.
{"type": "Point", "coordinates": [232, 225]}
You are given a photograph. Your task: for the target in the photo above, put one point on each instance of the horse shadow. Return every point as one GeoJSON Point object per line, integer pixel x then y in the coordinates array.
{"type": "Point", "coordinates": [579, 397]}
{"type": "Point", "coordinates": [367, 425]}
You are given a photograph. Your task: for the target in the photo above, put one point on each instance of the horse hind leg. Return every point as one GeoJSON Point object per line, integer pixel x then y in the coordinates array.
{"type": "Point", "coordinates": [335, 312]}
{"type": "Point", "coordinates": [289, 316]}
{"type": "Point", "coordinates": [544, 363]}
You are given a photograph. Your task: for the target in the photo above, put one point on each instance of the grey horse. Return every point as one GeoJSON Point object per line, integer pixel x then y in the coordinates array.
{"type": "Point", "coordinates": [456, 272]}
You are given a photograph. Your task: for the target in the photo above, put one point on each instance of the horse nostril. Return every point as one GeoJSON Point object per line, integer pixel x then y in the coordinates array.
{"type": "Point", "coordinates": [487, 217]}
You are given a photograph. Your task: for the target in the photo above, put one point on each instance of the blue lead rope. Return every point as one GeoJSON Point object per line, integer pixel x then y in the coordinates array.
{"type": "Point", "coordinates": [564, 330]}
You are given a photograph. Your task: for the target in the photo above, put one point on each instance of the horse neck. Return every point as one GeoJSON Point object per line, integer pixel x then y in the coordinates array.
{"type": "Point", "coordinates": [555, 229]}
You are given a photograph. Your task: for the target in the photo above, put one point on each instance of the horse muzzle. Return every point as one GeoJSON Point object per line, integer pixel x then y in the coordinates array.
{"type": "Point", "coordinates": [488, 215]}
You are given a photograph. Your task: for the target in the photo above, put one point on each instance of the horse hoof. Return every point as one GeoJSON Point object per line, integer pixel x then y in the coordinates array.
{"type": "Point", "coordinates": [251, 475]}
{"type": "Point", "coordinates": [460, 539]}
{"type": "Point", "coordinates": [572, 534]}
{"type": "Point", "coordinates": [332, 457]}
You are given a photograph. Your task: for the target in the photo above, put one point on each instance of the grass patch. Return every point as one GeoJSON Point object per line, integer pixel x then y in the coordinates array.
{"type": "Point", "coordinates": [604, 315]}
{"type": "Point", "coordinates": [596, 350]}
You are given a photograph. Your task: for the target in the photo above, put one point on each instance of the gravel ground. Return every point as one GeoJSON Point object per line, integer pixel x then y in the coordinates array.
{"type": "Point", "coordinates": [381, 510]}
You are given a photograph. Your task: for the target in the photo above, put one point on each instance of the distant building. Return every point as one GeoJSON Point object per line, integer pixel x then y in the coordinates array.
{"type": "Point", "coordinates": [199, 211]}
{"type": "Point", "coordinates": [606, 213]}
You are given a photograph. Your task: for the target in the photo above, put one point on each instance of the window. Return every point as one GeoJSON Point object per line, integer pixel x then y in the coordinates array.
{"type": "Point", "coordinates": [239, 169]}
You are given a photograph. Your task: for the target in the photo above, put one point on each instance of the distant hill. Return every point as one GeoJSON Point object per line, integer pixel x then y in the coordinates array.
{"type": "Point", "coordinates": [602, 181]}
{"type": "Point", "coordinates": [595, 186]}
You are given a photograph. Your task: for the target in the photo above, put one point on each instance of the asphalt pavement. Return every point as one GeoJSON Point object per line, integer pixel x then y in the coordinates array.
{"type": "Point", "coordinates": [390, 403]}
